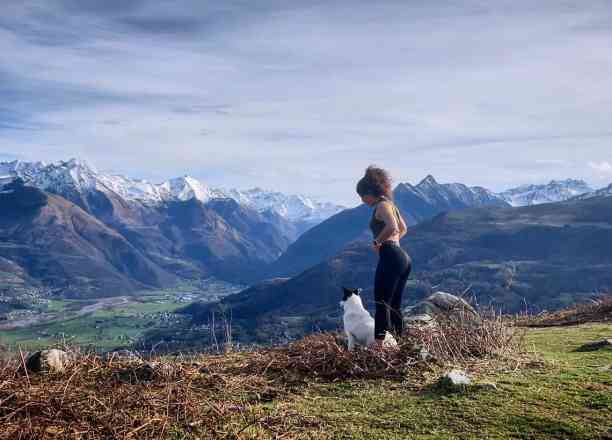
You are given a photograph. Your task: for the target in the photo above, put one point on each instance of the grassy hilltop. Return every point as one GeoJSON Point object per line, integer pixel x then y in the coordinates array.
{"type": "Point", "coordinates": [567, 396]}
{"type": "Point", "coordinates": [314, 389]}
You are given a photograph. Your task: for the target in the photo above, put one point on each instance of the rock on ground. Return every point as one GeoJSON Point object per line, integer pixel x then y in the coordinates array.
{"type": "Point", "coordinates": [439, 303]}
{"type": "Point", "coordinates": [53, 361]}
{"type": "Point", "coordinates": [420, 320]}
{"type": "Point", "coordinates": [455, 380]}
{"type": "Point", "coordinates": [596, 345]}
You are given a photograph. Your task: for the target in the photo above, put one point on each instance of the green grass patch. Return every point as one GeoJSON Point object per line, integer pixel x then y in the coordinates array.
{"type": "Point", "coordinates": [568, 397]}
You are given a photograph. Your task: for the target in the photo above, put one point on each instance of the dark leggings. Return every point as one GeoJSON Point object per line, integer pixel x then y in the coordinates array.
{"type": "Point", "coordinates": [392, 273]}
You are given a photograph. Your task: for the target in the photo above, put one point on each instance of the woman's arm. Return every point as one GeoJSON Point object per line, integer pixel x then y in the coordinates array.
{"type": "Point", "coordinates": [402, 225]}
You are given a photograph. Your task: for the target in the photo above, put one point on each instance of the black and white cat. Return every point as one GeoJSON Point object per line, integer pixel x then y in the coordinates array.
{"type": "Point", "coordinates": [358, 323]}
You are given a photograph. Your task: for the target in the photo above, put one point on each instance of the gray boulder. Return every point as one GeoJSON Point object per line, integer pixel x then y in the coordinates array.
{"type": "Point", "coordinates": [436, 304]}
{"type": "Point", "coordinates": [52, 361]}
{"type": "Point", "coordinates": [453, 381]}
{"type": "Point", "coordinates": [419, 320]}
{"type": "Point", "coordinates": [596, 345]}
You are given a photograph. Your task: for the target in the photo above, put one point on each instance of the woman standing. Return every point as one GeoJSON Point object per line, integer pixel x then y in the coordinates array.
{"type": "Point", "coordinates": [394, 264]}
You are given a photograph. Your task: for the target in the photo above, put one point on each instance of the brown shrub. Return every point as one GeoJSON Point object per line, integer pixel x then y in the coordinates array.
{"type": "Point", "coordinates": [457, 339]}
{"type": "Point", "coordinates": [101, 399]}
{"type": "Point", "coordinates": [324, 356]}
{"type": "Point", "coordinates": [596, 310]}
{"type": "Point", "coordinates": [460, 338]}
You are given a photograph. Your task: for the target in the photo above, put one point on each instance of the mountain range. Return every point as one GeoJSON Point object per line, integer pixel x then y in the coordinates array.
{"type": "Point", "coordinates": [554, 191]}
{"type": "Point", "coordinates": [75, 178]}
{"type": "Point", "coordinates": [85, 233]}
{"type": "Point", "coordinates": [416, 203]}
{"type": "Point", "coordinates": [52, 241]}
{"type": "Point", "coordinates": [603, 192]}
{"type": "Point", "coordinates": [91, 234]}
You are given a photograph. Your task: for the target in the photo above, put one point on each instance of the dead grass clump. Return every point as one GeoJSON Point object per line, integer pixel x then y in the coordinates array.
{"type": "Point", "coordinates": [457, 339]}
{"type": "Point", "coordinates": [596, 310]}
{"type": "Point", "coordinates": [323, 356]}
{"type": "Point", "coordinates": [100, 399]}
{"type": "Point", "coordinates": [461, 338]}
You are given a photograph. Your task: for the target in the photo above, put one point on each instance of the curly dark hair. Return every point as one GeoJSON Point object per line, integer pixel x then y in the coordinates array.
{"type": "Point", "coordinates": [376, 182]}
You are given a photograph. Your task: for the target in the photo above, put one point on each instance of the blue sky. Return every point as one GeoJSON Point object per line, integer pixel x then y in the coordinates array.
{"type": "Point", "coordinates": [300, 96]}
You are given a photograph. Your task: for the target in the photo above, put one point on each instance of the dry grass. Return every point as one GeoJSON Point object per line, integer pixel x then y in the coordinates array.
{"type": "Point", "coordinates": [324, 357]}
{"type": "Point", "coordinates": [459, 338]}
{"type": "Point", "coordinates": [99, 399]}
{"type": "Point", "coordinates": [221, 396]}
{"type": "Point", "coordinates": [597, 310]}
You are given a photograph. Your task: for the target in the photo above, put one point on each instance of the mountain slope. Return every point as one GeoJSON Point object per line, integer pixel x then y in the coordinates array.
{"type": "Point", "coordinates": [603, 192]}
{"type": "Point", "coordinates": [59, 244]}
{"type": "Point", "coordinates": [223, 237]}
{"type": "Point", "coordinates": [299, 209]}
{"type": "Point", "coordinates": [129, 246]}
{"type": "Point", "coordinates": [321, 242]}
{"type": "Point", "coordinates": [181, 225]}
{"type": "Point", "coordinates": [430, 198]}
{"type": "Point", "coordinates": [76, 180]}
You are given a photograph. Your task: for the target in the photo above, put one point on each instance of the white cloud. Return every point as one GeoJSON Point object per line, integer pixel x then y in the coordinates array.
{"type": "Point", "coordinates": [603, 167]}
{"type": "Point", "coordinates": [294, 95]}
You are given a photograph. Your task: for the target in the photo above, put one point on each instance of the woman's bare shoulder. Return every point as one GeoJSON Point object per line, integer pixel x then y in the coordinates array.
{"type": "Point", "coordinates": [384, 207]}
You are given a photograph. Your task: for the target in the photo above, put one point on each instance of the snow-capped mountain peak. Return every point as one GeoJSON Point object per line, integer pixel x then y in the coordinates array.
{"type": "Point", "coordinates": [186, 188]}
{"type": "Point", "coordinates": [75, 177]}
{"type": "Point", "coordinates": [451, 194]}
{"type": "Point", "coordinates": [428, 181]}
{"type": "Point", "coordinates": [293, 207]}
{"type": "Point", "coordinates": [9, 170]}
{"type": "Point", "coordinates": [554, 191]}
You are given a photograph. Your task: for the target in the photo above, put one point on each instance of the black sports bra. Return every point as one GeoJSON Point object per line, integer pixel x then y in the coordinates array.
{"type": "Point", "coordinates": [377, 225]}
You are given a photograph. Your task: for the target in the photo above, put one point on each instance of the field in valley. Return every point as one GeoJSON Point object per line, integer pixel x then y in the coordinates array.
{"type": "Point", "coordinates": [106, 323]}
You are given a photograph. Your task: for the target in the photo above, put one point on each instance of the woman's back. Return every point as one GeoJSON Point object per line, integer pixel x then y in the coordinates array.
{"type": "Point", "coordinates": [377, 225]}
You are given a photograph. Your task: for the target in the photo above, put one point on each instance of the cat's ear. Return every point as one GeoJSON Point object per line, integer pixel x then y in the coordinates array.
{"type": "Point", "coordinates": [345, 290]}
